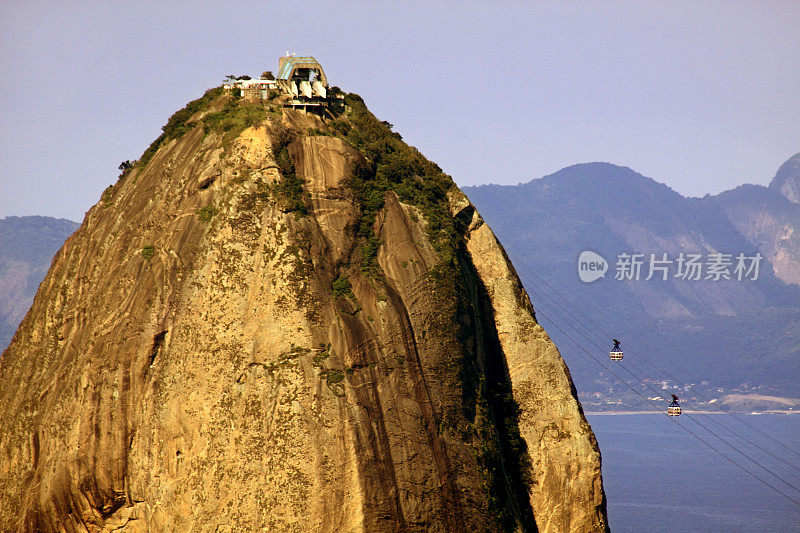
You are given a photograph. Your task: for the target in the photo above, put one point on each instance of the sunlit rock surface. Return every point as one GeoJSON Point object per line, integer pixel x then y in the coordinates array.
{"type": "Point", "coordinates": [201, 358]}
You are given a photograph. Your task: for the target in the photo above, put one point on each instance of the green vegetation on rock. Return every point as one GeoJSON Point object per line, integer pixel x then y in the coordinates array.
{"type": "Point", "coordinates": [206, 213]}
{"type": "Point", "coordinates": [392, 165]}
{"type": "Point", "coordinates": [334, 376]}
{"type": "Point", "coordinates": [230, 119]}
{"type": "Point", "coordinates": [288, 192]}
{"type": "Point", "coordinates": [341, 287]}
{"type": "Point", "coordinates": [234, 117]}
{"type": "Point", "coordinates": [106, 197]}
{"type": "Point", "coordinates": [180, 122]}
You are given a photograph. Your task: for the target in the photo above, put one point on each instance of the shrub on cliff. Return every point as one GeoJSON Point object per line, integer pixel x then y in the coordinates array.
{"type": "Point", "coordinates": [392, 165]}
{"type": "Point", "coordinates": [178, 123]}
{"type": "Point", "coordinates": [288, 192]}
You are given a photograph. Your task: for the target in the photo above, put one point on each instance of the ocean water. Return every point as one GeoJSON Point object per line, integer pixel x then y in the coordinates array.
{"type": "Point", "coordinates": [658, 477]}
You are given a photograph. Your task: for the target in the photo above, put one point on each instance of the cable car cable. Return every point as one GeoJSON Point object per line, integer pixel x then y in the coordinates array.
{"type": "Point", "coordinates": [654, 366]}
{"type": "Point", "coordinates": [692, 418]}
{"type": "Point", "coordinates": [742, 437]}
{"type": "Point", "coordinates": [644, 382]}
{"type": "Point", "coordinates": [725, 411]}
{"type": "Point", "coordinates": [776, 489]}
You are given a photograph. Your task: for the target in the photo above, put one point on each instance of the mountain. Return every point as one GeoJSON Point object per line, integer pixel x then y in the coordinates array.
{"type": "Point", "coordinates": [787, 180]}
{"type": "Point", "coordinates": [769, 218]}
{"type": "Point", "coordinates": [733, 334]}
{"type": "Point", "coordinates": [27, 245]}
{"type": "Point", "coordinates": [278, 322]}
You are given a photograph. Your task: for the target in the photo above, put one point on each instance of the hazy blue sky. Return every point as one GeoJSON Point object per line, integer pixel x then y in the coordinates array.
{"type": "Point", "coordinates": [702, 96]}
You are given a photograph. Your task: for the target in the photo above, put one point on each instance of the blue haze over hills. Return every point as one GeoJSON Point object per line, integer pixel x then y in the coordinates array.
{"type": "Point", "coordinates": [741, 336]}
{"type": "Point", "coordinates": [27, 246]}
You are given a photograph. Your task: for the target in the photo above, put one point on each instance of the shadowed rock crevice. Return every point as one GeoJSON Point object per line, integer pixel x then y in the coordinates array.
{"type": "Point", "coordinates": [511, 463]}
{"type": "Point", "coordinates": [158, 341]}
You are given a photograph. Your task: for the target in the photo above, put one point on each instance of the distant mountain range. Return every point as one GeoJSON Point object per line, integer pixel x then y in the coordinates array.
{"type": "Point", "coordinates": [734, 334]}
{"type": "Point", "coordinates": [27, 246]}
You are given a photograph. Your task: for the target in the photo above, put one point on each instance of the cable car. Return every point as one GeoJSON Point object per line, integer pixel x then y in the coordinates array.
{"type": "Point", "coordinates": [674, 409]}
{"type": "Point", "coordinates": [616, 352]}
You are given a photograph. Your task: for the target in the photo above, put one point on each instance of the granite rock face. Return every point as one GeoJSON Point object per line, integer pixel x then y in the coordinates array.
{"type": "Point", "coordinates": [204, 356]}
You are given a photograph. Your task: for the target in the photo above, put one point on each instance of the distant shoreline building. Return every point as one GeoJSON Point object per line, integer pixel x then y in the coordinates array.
{"type": "Point", "coordinates": [300, 80]}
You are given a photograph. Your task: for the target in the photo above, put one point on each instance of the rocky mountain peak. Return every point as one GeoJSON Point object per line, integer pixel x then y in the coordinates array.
{"type": "Point", "coordinates": [787, 179]}
{"type": "Point", "coordinates": [288, 321]}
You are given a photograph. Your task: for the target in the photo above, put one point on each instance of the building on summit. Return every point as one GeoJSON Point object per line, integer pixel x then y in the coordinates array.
{"type": "Point", "coordinates": [301, 82]}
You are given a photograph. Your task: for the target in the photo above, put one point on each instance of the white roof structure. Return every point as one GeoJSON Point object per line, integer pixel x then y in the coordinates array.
{"type": "Point", "coordinates": [244, 84]}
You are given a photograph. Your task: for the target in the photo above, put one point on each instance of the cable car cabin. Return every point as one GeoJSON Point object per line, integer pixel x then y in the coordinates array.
{"type": "Point", "coordinates": [616, 352]}
{"type": "Point", "coordinates": [674, 409]}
